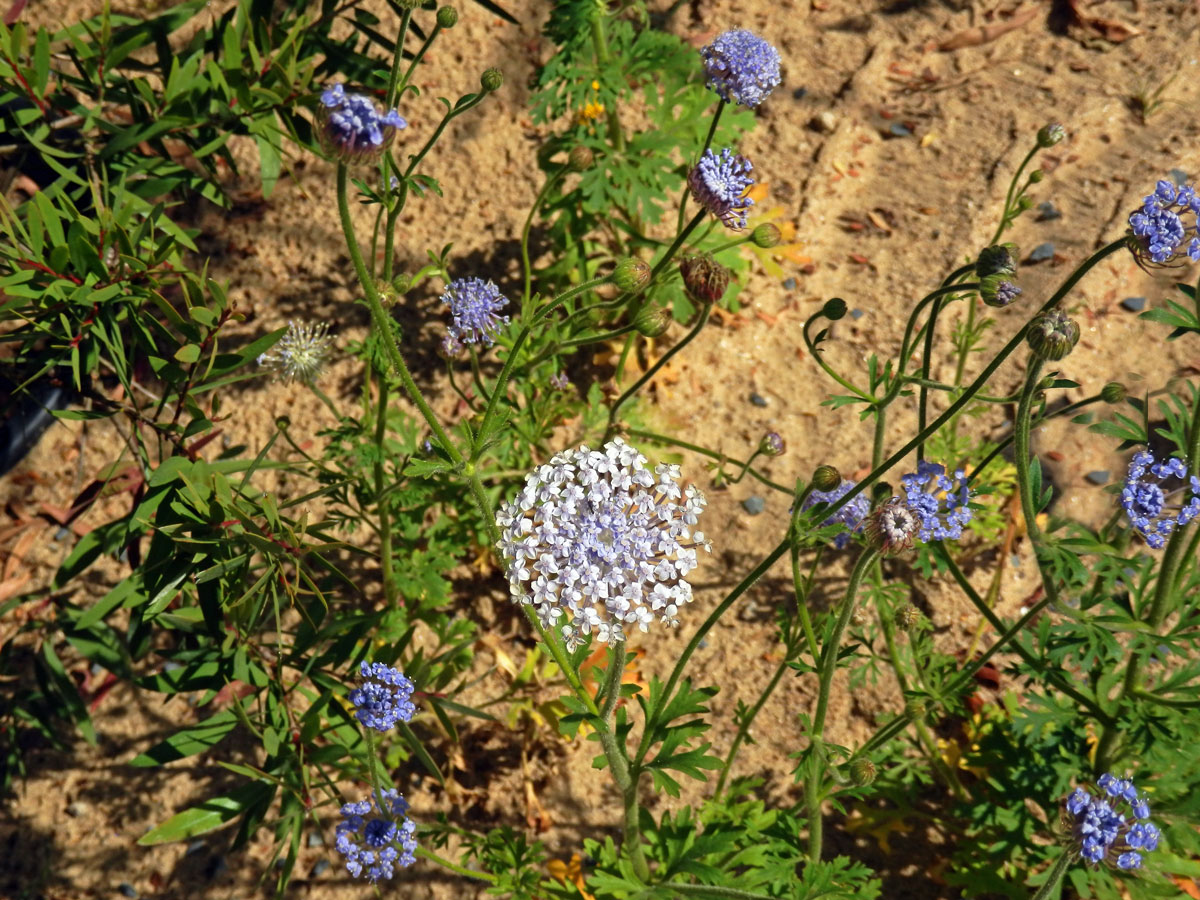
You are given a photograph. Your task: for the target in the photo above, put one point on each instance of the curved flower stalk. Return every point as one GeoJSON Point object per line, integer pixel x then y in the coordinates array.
{"type": "Point", "coordinates": [597, 542]}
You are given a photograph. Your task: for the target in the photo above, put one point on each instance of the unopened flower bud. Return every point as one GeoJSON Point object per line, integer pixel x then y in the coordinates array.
{"type": "Point", "coordinates": [704, 277]}
{"type": "Point", "coordinates": [402, 283]}
{"type": "Point", "coordinates": [283, 423]}
{"type": "Point", "coordinates": [1052, 335]}
{"type": "Point", "coordinates": [862, 771]}
{"type": "Point", "coordinates": [580, 159]}
{"type": "Point", "coordinates": [997, 291]}
{"type": "Point", "coordinates": [826, 478]}
{"type": "Point", "coordinates": [999, 259]}
{"type": "Point", "coordinates": [906, 617]}
{"type": "Point", "coordinates": [766, 235]}
{"type": "Point", "coordinates": [771, 444]}
{"type": "Point", "coordinates": [447, 17]}
{"type": "Point", "coordinates": [1024, 203]}
{"type": "Point", "coordinates": [915, 708]}
{"type": "Point", "coordinates": [1113, 392]}
{"type": "Point", "coordinates": [834, 309]}
{"type": "Point", "coordinates": [492, 79]}
{"type": "Point", "coordinates": [1051, 134]}
{"type": "Point", "coordinates": [652, 320]}
{"type": "Point", "coordinates": [631, 274]}
{"type": "Point", "coordinates": [1036, 176]}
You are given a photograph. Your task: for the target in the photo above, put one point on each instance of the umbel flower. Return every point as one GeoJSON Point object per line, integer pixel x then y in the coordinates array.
{"type": "Point", "coordinates": [719, 184]}
{"type": "Point", "coordinates": [741, 67]}
{"type": "Point", "coordinates": [474, 304]}
{"type": "Point", "coordinates": [1165, 228]}
{"type": "Point", "coordinates": [385, 697]}
{"type": "Point", "coordinates": [355, 130]}
{"type": "Point", "coordinates": [300, 353]}
{"type": "Point", "coordinates": [851, 515]}
{"type": "Point", "coordinates": [1145, 501]}
{"type": "Point", "coordinates": [933, 508]}
{"type": "Point", "coordinates": [376, 835]}
{"type": "Point", "coordinates": [1110, 826]}
{"type": "Point", "coordinates": [597, 542]}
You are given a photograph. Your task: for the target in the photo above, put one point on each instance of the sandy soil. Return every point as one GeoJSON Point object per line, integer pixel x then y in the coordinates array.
{"type": "Point", "coordinates": [826, 145]}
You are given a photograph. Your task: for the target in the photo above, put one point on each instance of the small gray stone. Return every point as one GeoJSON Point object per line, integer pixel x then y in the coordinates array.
{"type": "Point", "coordinates": [315, 839]}
{"type": "Point", "coordinates": [800, 93]}
{"type": "Point", "coordinates": [754, 505]}
{"type": "Point", "coordinates": [1048, 211]}
{"type": "Point", "coordinates": [825, 122]}
{"type": "Point", "coordinates": [320, 868]}
{"type": "Point", "coordinates": [789, 284]}
{"type": "Point", "coordinates": [896, 129]}
{"type": "Point", "coordinates": [703, 645]}
{"type": "Point", "coordinates": [128, 890]}
{"type": "Point", "coordinates": [1042, 252]}
{"type": "Point", "coordinates": [856, 314]}
{"type": "Point", "coordinates": [62, 534]}
{"type": "Point", "coordinates": [76, 809]}
{"type": "Point", "coordinates": [1099, 476]}
{"type": "Point", "coordinates": [1179, 176]}
{"type": "Point", "coordinates": [1134, 304]}
{"type": "Point", "coordinates": [757, 399]}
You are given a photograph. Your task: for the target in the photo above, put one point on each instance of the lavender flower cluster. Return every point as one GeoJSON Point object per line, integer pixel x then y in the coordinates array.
{"type": "Point", "coordinates": [1100, 831]}
{"type": "Point", "coordinates": [376, 835]}
{"type": "Point", "coordinates": [719, 184]}
{"type": "Point", "coordinates": [355, 129]}
{"type": "Point", "coordinates": [851, 515]}
{"type": "Point", "coordinates": [1145, 501]}
{"type": "Point", "coordinates": [597, 542]}
{"type": "Point", "coordinates": [1159, 228]}
{"type": "Point", "coordinates": [385, 697]}
{"type": "Point", "coordinates": [939, 501]}
{"type": "Point", "coordinates": [741, 67]}
{"type": "Point", "coordinates": [474, 306]}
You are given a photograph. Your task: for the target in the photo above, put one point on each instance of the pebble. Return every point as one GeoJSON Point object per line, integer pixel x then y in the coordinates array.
{"type": "Point", "coordinates": [1134, 304]}
{"type": "Point", "coordinates": [194, 847]}
{"type": "Point", "coordinates": [62, 534]}
{"type": "Point", "coordinates": [1099, 476]}
{"type": "Point", "coordinates": [315, 839]}
{"type": "Point", "coordinates": [800, 93]}
{"type": "Point", "coordinates": [703, 645]}
{"type": "Point", "coordinates": [1179, 176]}
{"type": "Point", "coordinates": [754, 505]}
{"type": "Point", "coordinates": [77, 809]}
{"type": "Point", "coordinates": [320, 868]}
{"type": "Point", "coordinates": [1048, 211]}
{"type": "Point", "coordinates": [1042, 252]}
{"type": "Point", "coordinates": [789, 284]}
{"type": "Point", "coordinates": [856, 314]}
{"type": "Point", "coordinates": [825, 121]}
{"type": "Point", "coordinates": [128, 890]}
{"type": "Point", "coordinates": [898, 130]}
{"type": "Point", "coordinates": [757, 399]}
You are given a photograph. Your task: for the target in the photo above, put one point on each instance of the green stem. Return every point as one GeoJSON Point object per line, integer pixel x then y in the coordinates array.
{"type": "Point", "coordinates": [712, 890]}
{"type": "Point", "coordinates": [1008, 199]}
{"type": "Point", "coordinates": [611, 691]}
{"type": "Point", "coordinates": [600, 45]}
{"type": "Point", "coordinates": [827, 665]}
{"type": "Point", "coordinates": [382, 323]}
{"type": "Point", "coordinates": [654, 369]}
{"type": "Point", "coordinates": [385, 530]}
{"type": "Point", "coordinates": [712, 130]}
{"type": "Point", "coordinates": [437, 29]}
{"type": "Point", "coordinates": [1051, 888]}
{"type": "Point", "coordinates": [1022, 456]}
{"type": "Point", "coordinates": [454, 867]}
{"type": "Point", "coordinates": [397, 56]}
{"type": "Point", "coordinates": [704, 451]}
{"type": "Point", "coordinates": [526, 266]}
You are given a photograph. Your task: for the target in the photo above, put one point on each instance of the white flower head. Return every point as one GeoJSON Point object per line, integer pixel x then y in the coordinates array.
{"type": "Point", "coordinates": [612, 541]}
{"type": "Point", "coordinates": [300, 354]}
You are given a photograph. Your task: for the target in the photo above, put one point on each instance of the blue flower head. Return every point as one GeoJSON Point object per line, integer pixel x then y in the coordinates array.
{"type": "Point", "coordinates": [939, 501]}
{"type": "Point", "coordinates": [719, 184]}
{"type": "Point", "coordinates": [385, 697]}
{"type": "Point", "coordinates": [376, 835]}
{"type": "Point", "coordinates": [474, 304]}
{"type": "Point", "coordinates": [1146, 503]}
{"type": "Point", "coordinates": [1111, 826]}
{"type": "Point", "coordinates": [355, 130]}
{"type": "Point", "coordinates": [851, 515]}
{"type": "Point", "coordinates": [741, 67]}
{"type": "Point", "coordinates": [1164, 229]}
